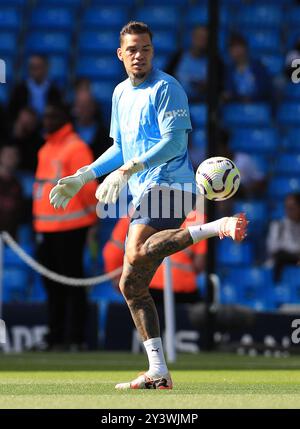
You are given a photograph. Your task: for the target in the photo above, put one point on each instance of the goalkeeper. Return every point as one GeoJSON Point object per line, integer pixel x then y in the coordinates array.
{"type": "Point", "coordinates": [149, 125]}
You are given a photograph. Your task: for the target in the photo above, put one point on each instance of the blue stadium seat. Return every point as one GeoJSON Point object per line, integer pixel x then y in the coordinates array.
{"type": "Point", "coordinates": [15, 284]}
{"type": "Point", "coordinates": [254, 114]}
{"type": "Point", "coordinates": [48, 43]}
{"type": "Point", "coordinates": [101, 42]}
{"type": "Point", "coordinates": [198, 114]}
{"type": "Point", "coordinates": [287, 165]}
{"type": "Point", "coordinates": [54, 18]}
{"type": "Point", "coordinates": [230, 253]}
{"type": "Point", "coordinates": [199, 138]}
{"type": "Point", "coordinates": [8, 43]}
{"type": "Point", "coordinates": [15, 3]}
{"type": "Point", "coordinates": [127, 3]}
{"type": "Point", "coordinates": [196, 15]}
{"type": "Point", "coordinates": [106, 17]}
{"type": "Point", "coordinates": [165, 42]}
{"type": "Point", "coordinates": [255, 140]}
{"type": "Point", "coordinates": [62, 3]}
{"type": "Point", "coordinates": [291, 140]}
{"type": "Point", "coordinates": [291, 277]}
{"type": "Point", "coordinates": [292, 18]}
{"type": "Point", "coordinates": [270, 2]}
{"type": "Point", "coordinates": [103, 90]}
{"type": "Point", "coordinates": [160, 17]}
{"type": "Point", "coordinates": [263, 42]}
{"type": "Point", "coordinates": [292, 92]}
{"type": "Point", "coordinates": [25, 234]}
{"type": "Point", "coordinates": [273, 63]}
{"type": "Point", "coordinates": [161, 61]}
{"type": "Point", "coordinates": [94, 67]}
{"type": "Point", "coordinates": [277, 210]}
{"type": "Point", "coordinates": [27, 181]}
{"type": "Point", "coordinates": [228, 293]}
{"type": "Point", "coordinates": [281, 186]}
{"type": "Point", "coordinates": [263, 16]}
{"type": "Point", "coordinates": [58, 69]}
{"type": "Point", "coordinates": [257, 211]}
{"type": "Point", "coordinates": [10, 19]}
{"type": "Point", "coordinates": [282, 294]}
{"type": "Point", "coordinates": [37, 291]}
{"type": "Point", "coordinates": [106, 292]}
{"type": "Point", "coordinates": [288, 114]}
{"type": "Point", "coordinates": [3, 94]}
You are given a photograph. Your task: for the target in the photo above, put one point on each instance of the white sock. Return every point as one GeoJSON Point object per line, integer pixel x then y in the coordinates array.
{"type": "Point", "coordinates": [207, 230]}
{"type": "Point", "coordinates": [157, 363]}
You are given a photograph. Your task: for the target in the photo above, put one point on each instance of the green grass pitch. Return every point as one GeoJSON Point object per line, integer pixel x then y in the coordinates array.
{"type": "Point", "coordinates": [87, 380]}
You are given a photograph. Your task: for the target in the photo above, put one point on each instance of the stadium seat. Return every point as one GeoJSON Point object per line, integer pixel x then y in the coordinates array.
{"type": "Point", "coordinates": [288, 114]}
{"type": "Point", "coordinates": [37, 290]}
{"type": "Point", "coordinates": [197, 15]}
{"type": "Point", "coordinates": [63, 3]}
{"type": "Point", "coordinates": [254, 114]}
{"type": "Point", "coordinates": [94, 67]}
{"type": "Point", "coordinates": [161, 61]}
{"type": "Point", "coordinates": [291, 277]}
{"type": "Point", "coordinates": [3, 94]}
{"type": "Point", "coordinates": [276, 209]}
{"type": "Point", "coordinates": [15, 3]}
{"type": "Point", "coordinates": [106, 292]}
{"type": "Point", "coordinates": [230, 253]}
{"type": "Point", "coordinates": [106, 17]}
{"type": "Point", "coordinates": [10, 19]}
{"type": "Point", "coordinates": [292, 92]}
{"type": "Point", "coordinates": [281, 186]}
{"type": "Point", "coordinates": [27, 180]}
{"type": "Point", "coordinates": [262, 16]}
{"type": "Point", "coordinates": [255, 140]}
{"type": "Point", "coordinates": [101, 42]}
{"type": "Point", "coordinates": [15, 284]}
{"type": "Point", "coordinates": [257, 211]}
{"type": "Point", "coordinates": [165, 42]}
{"type": "Point", "coordinates": [127, 3]}
{"type": "Point", "coordinates": [282, 294]}
{"type": "Point", "coordinates": [263, 42]}
{"type": "Point", "coordinates": [160, 17]}
{"type": "Point", "coordinates": [292, 18]}
{"type": "Point", "coordinates": [8, 43]}
{"type": "Point", "coordinates": [166, 2]}
{"type": "Point", "coordinates": [198, 114]}
{"type": "Point", "coordinates": [54, 18]}
{"type": "Point", "coordinates": [199, 138]}
{"type": "Point", "coordinates": [291, 140]}
{"type": "Point", "coordinates": [228, 293]}
{"type": "Point", "coordinates": [58, 69]}
{"type": "Point", "coordinates": [48, 43]}
{"type": "Point", "coordinates": [273, 63]}
{"type": "Point", "coordinates": [103, 90]}
{"type": "Point", "coordinates": [287, 165]}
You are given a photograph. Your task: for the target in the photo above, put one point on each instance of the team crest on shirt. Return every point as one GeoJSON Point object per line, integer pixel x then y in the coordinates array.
{"type": "Point", "coordinates": [179, 113]}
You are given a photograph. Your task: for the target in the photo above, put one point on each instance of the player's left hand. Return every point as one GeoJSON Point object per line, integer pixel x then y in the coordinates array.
{"type": "Point", "coordinates": [109, 190]}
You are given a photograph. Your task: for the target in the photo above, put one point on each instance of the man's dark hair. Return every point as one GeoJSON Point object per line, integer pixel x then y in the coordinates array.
{"type": "Point", "coordinates": [135, 27]}
{"type": "Point", "coordinates": [237, 39]}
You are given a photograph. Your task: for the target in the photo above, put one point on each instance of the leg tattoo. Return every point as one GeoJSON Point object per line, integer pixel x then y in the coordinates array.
{"type": "Point", "coordinates": [167, 242]}
{"type": "Point", "coordinates": [134, 285]}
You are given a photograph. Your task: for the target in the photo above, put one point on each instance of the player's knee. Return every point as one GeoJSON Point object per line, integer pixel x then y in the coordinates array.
{"type": "Point", "coordinates": [136, 257]}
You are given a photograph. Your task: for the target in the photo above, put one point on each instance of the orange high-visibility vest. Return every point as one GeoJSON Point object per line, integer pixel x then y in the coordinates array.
{"type": "Point", "coordinates": [62, 154]}
{"type": "Point", "coordinates": [183, 275]}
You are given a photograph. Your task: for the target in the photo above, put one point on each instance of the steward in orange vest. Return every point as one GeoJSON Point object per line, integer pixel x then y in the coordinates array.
{"type": "Point", "coordinates": [62, 154]}
{"type": "Point", "coordinates": [185, 264]}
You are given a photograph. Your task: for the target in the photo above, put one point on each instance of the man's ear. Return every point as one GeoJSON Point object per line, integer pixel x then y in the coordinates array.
{"type": "Point", "coordinates": [119, 54]}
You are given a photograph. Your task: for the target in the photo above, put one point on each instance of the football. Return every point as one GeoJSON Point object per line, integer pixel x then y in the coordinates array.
{"type": "Point", "coordinates": [218, 178]}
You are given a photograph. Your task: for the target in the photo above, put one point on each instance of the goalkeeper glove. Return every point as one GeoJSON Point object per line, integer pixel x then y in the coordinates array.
{"type": "Point", "coordinates": [68, 186]}
{"type": "Point", "coordinates": [109, 190]}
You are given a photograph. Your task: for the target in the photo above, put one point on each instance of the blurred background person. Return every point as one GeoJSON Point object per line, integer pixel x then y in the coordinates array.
{"type": "Point", "coordinates": [36, 90]}
{"type": "Point", "coordinates": [26, 135]}
{"type": "Point", "coordinates": [190, 66]}
{"type": "Point", "coordinates": [88, 122]}
{"type": "Point", "coordinates": [246, 79]}
{"type": "Point", "coordinates": [62, 233]}
{"type": "Point", "coordinates": [283, 240]}
{"type": "Point", "coordinates": [11, 196]}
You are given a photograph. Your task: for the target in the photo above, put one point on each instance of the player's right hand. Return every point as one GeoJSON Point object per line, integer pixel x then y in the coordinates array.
{"type": "Point", "coordinates": [68, 186]}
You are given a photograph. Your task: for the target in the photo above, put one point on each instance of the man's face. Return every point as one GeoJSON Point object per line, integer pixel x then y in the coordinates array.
{"type": "Point", "coordinates": [52, 120]}
{"type": "Point", "coordinates": [238, 52]}
{"type": "Point", "coordinates": [38, 69]}
{"type": "Point", "coordinates": [136, 52]}
{"type": "Point", "coordinates": [292, 209]}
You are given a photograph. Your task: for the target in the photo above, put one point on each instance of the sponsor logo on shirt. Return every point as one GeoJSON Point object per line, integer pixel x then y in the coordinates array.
{"type": "Point", "coordinates": [179, 113]}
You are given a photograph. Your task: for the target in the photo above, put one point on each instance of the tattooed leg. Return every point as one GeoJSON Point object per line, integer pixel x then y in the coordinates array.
{"type": "Point", "coordinates": [134, 285]}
